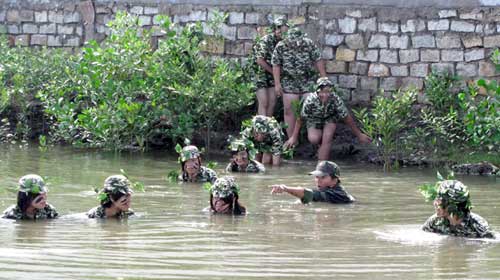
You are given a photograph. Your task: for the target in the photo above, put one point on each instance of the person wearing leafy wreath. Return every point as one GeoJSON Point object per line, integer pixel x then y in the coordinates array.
{"type": "Point", "coordinates": [31, 201]}
{"type": "Point", "coordinates": [191, 168]}
{"type": "Point", "coordinates": [243, 153]}
{"type": "Point", "coordinates": [451, 199]}
{"type": "Point", "coordinates": [115, 199]}
{"type": "Point", "coordinates": [266, 135]}
{"type": "Point", "coordinates": [224, 197]}
{"type": "Point", "coordinates": [327, 179]}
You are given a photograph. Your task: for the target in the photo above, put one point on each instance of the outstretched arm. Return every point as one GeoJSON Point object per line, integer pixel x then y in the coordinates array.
{"type": "Point", "coordinates": [363, 138]}
{"type": "Point", "coordinates": [294, 139]}
{"type": "Point", "coordinates": [297, 191]}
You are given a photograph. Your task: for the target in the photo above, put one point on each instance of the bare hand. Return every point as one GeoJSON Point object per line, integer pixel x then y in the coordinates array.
{"type": "Point", "coordinates": [279, 90]}
{"type": "Point", "coordinates": [278, 189]}
{"type": "Point", "coordinates": [290, 143]}
{"type": "Point", "coordinates": [364, 139]}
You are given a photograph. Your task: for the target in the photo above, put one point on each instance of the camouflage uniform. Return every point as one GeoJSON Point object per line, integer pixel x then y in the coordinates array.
{"type": "Point", "coordinates": [112, 185]}
{"type": "Point", "coordinates": [263, 48]}
{"type": "Point", "coordinates": [99, 213]}
{"type": "Point", "coordinates": [252, 167]}
{"type": "Point", "coordinates": [334, 194]}
{"type": "Point", "coordinates": [316, 114]}
{"type": "Point", "coordinates": [13, 212]}
{"type": "Point", "coordinates": [296, 56]}
{"type": "Point", "coordinates": [455, 199]}
{"type": "Point", "coordinates": [189, 152]}
{"type": "Point", "coordinates": [205, 174]}
{"type": "Point", "coordinates": [273, 140]}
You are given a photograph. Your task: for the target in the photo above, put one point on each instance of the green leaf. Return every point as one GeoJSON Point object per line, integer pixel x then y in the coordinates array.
{"type": "Point", "coordinates": [439, 176]}
{"type": "Point", "coordinates": [212, 164]}
{"type": "Point", "coordinates": [178, 148]}
{"type": "Point", "coordinates": [207, 186]}
{"type": "Point", "coordinates": [173, 176]}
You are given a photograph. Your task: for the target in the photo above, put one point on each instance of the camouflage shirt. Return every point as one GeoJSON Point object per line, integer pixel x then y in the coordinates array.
{"type": "Point", "coordinates": [335, 194]}
{"type": "Point", "coordinates": [472, 225]}
{"type": "Point", "coordinates": [296, 60]}
{"type": "Point", "coordinates": [14, 212]}
{"type": "Point", "coordinates": [264, 47]}
{"type": "Point", "coordinates": [273, 135]}
{"type": "Point", "coordinates": [252, 167]}
{"type": "Point", "coordinates": [204, 175]}
{"type": "Point", "coordinates": [100, 213]}
{"type": "Point", "coordinates": [317, 114]}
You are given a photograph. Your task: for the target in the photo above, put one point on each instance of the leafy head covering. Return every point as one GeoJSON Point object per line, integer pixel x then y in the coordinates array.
{"type": "Point", "coordinates": [116, 184]}
{"type": "Point", "coordinates": [224, 187]}
{"type": "Point", "coordinates": [32, 183]}
{"type": "Point", "coordinates": [453, 193]}
{"type": "Point", "coordinates": [295, 34]}
{"type": "Point", "coordinates": [323, 82]}
{"type": "Point", "coordinates": [279, 22]}
{"type": "Point", "coordinates": [260, 124]}
{"type": "Point", "coordinates": [189, 152]}
{"type": "Point", "coordinates": [239, 145]}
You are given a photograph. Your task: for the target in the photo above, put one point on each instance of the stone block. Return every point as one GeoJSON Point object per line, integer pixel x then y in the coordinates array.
{"type": "Point", "coordinates": [438, 25]}
{"type": "Point", "coordinates": [449, 42]}
{"type": "Point", "coordinates": [378, 41]}
{"type": "Point", "coordinates": [151, 10]}
{"type": "Point", "coordinates": [378, 70]}
{"type": "Point", "coordinates": [72, 42]}
{"type": "Point", "coordinates": [419, 70]}
{"type": "Point", "coordinates": [332, 25]}
{"type": "Point", "coordinates": [343, 54]}
{"type": "Point", "coordinates": [411, 83]}
{"type": "Point", "coordinates": [192, 16]}
{"type": "Point", "coordinates": [389, 84]}
{"type": "Point", "coordinates": [56, 17]}
{"type": "Point", "coordinates": [487, 69]}
{"type": "Point", "coordinates": [236, 18]}
{"type": "Point", "coordinates": [474, 54]}
{"type": "Point", "coordinates": [228, 32]}
{"type": "Point", "coordinates": [145, 20]}
{"type": "Point", "coordinates": [72, 17]}
{"type": "Point", "coordinates": [369, 83]}
{"type": "Point", "coordinates": [348, 81]}
{"type": "Point", "coordinates": [423, 41]}
{"type": "Point", "coordinates": [347, 25]}
{"type": "Point", "coordinates": [492, 41]}
{"type": "Point", "coordinates": [30, 28]}
{"type": "Point", "coordinates": [65, 29]}
{"type": "Point", "coordinates": [26, 16]}
{"type": "Point", "coordinates": [103, 10]}
{"type": "Point", "coordinates": [474, 15]}
{"type": "Point", "coordinates": [38, 40]}
{"type": "Point", "coordinates": [48, 28]}
{"type": "Point", "coordinates": [367, 24]}
{"type": "Point", "coordinates": [3, 15]}
{"type": "Point", "coordinates": [327, 53]}
{"type": "Point", "coordinates": [79, 31]}
{"type": "Point", "coordinates": [368, 55]}
{"type": "Point", "coordinates": [361, 96]}
{"type": "Point", "coordinates": [388, 56]}
{"type": "Point", "coordinates": [399, 42]}
{"type": "Point", "coordinates": [399, 71]}
{"type": "Point", "coordinates": [359, 68]}
{"type": "Point", "coordinates": [252, 18]}
{"type": "Point", "coordinates": [429, 55]}
{"type": "Point", "coordinates": [13, 29]}
{"type": "Point", "coordinates": [443, 68]}
{"type": "Point", "coordinates": [213, 45]}
{"type": "Point", "coordinates": [354, 41]}
{"type": "Point", "coordinates": [407, 56]}
{"type": "Point", "coordinates": [489, 29]}
{"type": "Point", "coordinates": [354, 13]}
{"type": "Point", "coordinates": [447, 13]}
{"type": "Point", "coordinates": [13, 16]}
{"type": "Point", "coordinates": [336, 67]}
{"type": "Point", "coordinates": [137, 10]}
{"type": "Point", "coordinates": [413, 25]}
{"type": "Point", "coordinates": [234, 48]}
{"type": "Point", "coordinates": [334, 39]}
{"type": "Point", "coordinates": [246, 32]}
{"type": "Point", "coordinates": [467, 69]}
{"type": "Point", "coordinates": [22, 40]}
{"type": "Point", "coordinates": [472, 41]}
{"type": "Point", "coordinates": [462, 26]}
{"type": "Point", "coordinates": [389, 27]}
{"type": "Point", "coordinates": [41, 16]}
{"type": "Point", "coordinates": [299, 20]}
{"type": "Point", "coordinates": [452, 55]}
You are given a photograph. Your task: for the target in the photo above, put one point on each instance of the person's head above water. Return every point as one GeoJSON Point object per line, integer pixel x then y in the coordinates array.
{"type": "Point", "coordinates": [326, 174]}
{"type": "Point", "coordinates": [453, 199]}
{"type": "Point", "coordinates": [116, 193]}
{"type": "Point", "coordinates": [32, 192]}
{"type": "Point", "coordinates": [224, 195]}
{"type": "Point", "coordinates": [242, 151]}
{"type": "Point", "coordinates": [190, 158]}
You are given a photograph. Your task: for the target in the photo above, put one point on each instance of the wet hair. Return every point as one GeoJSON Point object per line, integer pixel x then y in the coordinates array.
{"type": "Point", "coordinates": [232, 200]}
{"type": "Point", "coordinates": [24, 200]}
{"type": "Point", "coordinates": [114, 196]}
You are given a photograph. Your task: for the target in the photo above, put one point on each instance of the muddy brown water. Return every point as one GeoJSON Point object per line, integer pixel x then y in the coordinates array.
{"type": "Point", "coordinates": [378, 237]}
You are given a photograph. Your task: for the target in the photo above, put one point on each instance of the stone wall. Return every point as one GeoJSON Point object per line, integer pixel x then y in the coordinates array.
{"type": "Point", "coordinates": [366, 47]}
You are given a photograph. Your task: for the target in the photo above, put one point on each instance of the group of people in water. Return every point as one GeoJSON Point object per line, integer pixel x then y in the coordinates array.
{"type": "Point", "coordinates": [284, 61]}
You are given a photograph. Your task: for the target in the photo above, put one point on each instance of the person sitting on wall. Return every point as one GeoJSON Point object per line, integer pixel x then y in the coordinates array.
{"type": "Point", "coordinates": [191, 168]}
{"type": "Point", "coordinates": [243, 153]}
{"type": "Point", "coordinates": [321, 110]}
{"type": "Point", "coordinates": [31, 201]}
{"type": "Point", "coordinates": [326, 177]}
{"type": "Point", "coordinates": [224, 195]}
{"type": "Point", "coordinates": [453, 216]}
{"type": "Point", "coordinates": [115, 199]}
{"type": "Point", "coordinates": [266, 135]}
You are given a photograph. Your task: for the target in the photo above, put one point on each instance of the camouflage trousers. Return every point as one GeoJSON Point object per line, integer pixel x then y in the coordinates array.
{"type": "Point", "coordinates": [319, 123]}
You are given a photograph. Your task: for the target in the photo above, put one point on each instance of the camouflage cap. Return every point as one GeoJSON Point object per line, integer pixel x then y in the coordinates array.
{"type": "Point", "coordinates": [32, 183]}
{"type": "Point", "coordinates": [224, 187]}
{"type": "Point", "coordinates": [260, 124]}
{"type": "Point", "coordinates": [189, 152]}
{"type": "Point", "coordinates": [294, 34]}
{"type": "Point", "coordinates": [323, 82]}
{"type": "Point", "coordinates": [279, 22]}
{"type": "Point", "coordinates": [239, 145]}
{"type": "Point", "coordinates": [325, 168]}
{"type": "Point", "coordinates": [117, 183]}
{"type": "Point", "coordinates": [453, 191]}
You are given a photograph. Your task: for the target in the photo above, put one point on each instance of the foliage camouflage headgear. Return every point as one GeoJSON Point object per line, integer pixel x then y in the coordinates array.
{"type": "Point", "coordinates": [113, 185]}
{"type": "Point", "coordinates": [238, 145]}
{"type": "Point", "coordinates": [189, 152]}
{"type": "Point", "coordinates": [224, 187]}
{"type": "Point", "coordinates": [451, 193]}
{"type": "Point", "coordinates": [294, 34]}
{"type": "Point", "coordinates": [325, 168]}
{"type": "Point", "coordinates": [259, 124]}
{"type": "Point", "coordinates": [279, 22]}
{"type": "Point", "coordinates": [32, 183]}
{"type": "Point", "coordinates": [323, 82]}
